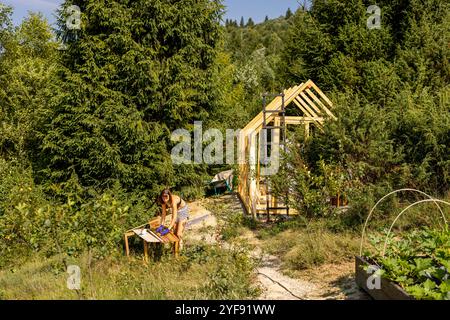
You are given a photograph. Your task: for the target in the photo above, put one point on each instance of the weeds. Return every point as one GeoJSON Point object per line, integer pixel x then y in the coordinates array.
{"type": "Point", "coordinates": [205, 272]}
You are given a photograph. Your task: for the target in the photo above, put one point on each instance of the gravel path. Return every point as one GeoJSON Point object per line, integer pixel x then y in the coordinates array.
{"type": "Point", "coordinates": [277, 286]}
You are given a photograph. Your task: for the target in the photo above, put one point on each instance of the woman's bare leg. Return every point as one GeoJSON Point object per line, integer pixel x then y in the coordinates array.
{"type": "Point", "coordinates": [179, 230]}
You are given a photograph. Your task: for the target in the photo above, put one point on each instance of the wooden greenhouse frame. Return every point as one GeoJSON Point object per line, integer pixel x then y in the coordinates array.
{"type": "Point", "coordinates": [315, 108]}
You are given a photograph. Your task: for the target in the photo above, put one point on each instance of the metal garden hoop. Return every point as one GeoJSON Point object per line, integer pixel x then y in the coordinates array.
{"type": "Point", "coordinates": [406, 209]}
{"type": "Point", "coordinates": [431, 199]}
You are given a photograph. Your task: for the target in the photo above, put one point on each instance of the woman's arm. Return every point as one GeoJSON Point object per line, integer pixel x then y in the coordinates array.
{"type": "Point", "coordinates": [174, 214]}
{"type": "Point", "coordinates": [163, 214]}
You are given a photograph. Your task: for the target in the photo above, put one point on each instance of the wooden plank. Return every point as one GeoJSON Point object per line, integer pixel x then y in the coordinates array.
{"type": "Point", "coordinates": [176, 249]}
{"type": "Point", "coordinates": [316, 99]}
{"type": "Point", "coordinates": [155, 222]}
{"type": "Point", "coordinates": [290, 95]}
{"type": "Point", "coordinates": [145, 251]}
{"type": "Point", "coordinates": [310, 103]}
{"type": "Point", "coordinates": [288, 100]}
{"type": "Point", "coordinates": [302, 120]}
{"type": "Point", "coordinates": [324, 97]}
{"type": "Point", "coordinates": [311, 113]}
{"type": "Point", "coordinates": [303, 109]}
{"type": "Point", "coordinates": [171, 237]}
{"type": "Point", "coordinates": [318, 124]}
{"type": "Point", "coordinates": [127, 247]}
{"type": "Point", "coordinates": [275, 105]}
{"type": "Point", "coordinates": [280, 212]}
{"type": "Point", "coordinates": [148, 236]}
{"type": "Point", "coordinates": [258, 160]}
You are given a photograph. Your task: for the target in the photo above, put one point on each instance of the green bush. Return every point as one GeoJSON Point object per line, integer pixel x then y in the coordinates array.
{"type": "Point", "coordinates": [69, 228]}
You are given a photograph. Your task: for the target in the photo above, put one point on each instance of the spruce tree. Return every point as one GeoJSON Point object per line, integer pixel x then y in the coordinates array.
{"type": "Point", "coordinates": [136, 71]}
{"type": "Point", "coordinates": [288, 13]}
{"type": "Point", "coordinates": [242, 24]}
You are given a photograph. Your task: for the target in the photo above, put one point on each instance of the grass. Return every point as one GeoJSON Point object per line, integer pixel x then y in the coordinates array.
{"type": "Point", "coordinates": [304, 249]}
{"type": "Point", "coordinates": [299, 243]}
{"type": "Point", "coordinates": [203, 272]}
{"type": "Point", "coordinates": [303, 244]}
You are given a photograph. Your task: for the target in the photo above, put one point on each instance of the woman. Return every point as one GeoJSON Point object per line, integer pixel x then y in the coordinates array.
{"type": "Point", "coordinates": [180, 212]}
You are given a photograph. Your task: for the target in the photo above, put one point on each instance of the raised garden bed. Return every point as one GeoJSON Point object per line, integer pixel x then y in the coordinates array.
{"type": "Point", "coordinates": [388, 289]}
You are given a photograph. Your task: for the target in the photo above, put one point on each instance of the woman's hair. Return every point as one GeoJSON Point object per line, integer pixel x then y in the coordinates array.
{"type": "Point", "coordinates": [166, 191]}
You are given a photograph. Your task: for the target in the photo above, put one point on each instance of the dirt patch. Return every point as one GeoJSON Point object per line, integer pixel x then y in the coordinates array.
{"type": "Point", "coordinates": [202, 225]}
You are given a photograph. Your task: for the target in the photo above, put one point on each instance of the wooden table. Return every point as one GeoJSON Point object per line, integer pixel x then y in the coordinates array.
{"type": "Point", "coordinates": [150, 236]}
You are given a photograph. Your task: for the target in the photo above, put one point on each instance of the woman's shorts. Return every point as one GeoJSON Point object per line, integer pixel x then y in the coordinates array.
{"type": "Point", "coordinates": [183, 214]}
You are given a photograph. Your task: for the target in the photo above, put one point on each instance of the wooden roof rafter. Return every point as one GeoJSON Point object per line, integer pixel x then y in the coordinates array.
{"type": "Point", "coordinates": [308, 112]}
{"type": "Point", "coordinates": [304, 98]}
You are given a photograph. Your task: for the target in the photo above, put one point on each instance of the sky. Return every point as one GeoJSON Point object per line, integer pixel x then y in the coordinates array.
{"type": "Point", "coordinates": [256, 9]}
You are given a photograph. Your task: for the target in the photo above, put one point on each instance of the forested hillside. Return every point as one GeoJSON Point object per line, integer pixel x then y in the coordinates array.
{"type": "Point", "coordinates": [86, 115]}
{"type": "Point", "coordinates": [390, 86]}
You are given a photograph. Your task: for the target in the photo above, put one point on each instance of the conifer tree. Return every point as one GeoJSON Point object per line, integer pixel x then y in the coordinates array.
{"type": "Point", "coordinates": [288, 13]}
{"type": "Point", "coordinates": [135, 72]}
{"type": "Point", "coordinates": [242, 24]}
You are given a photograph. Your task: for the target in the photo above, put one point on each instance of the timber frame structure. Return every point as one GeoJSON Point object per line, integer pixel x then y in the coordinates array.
{"type": "Point", "coordinates": [254, 189]}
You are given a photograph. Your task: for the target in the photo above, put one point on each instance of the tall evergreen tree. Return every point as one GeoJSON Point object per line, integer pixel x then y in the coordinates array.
{"type": "Point", "coordinates": [242, 23]}
{"type": "Point", "coordinates": [136, 71]}
{"type": "Point", "coordinates": [250, 22]}
{"type": "Point", "coordinates": [288, 13]}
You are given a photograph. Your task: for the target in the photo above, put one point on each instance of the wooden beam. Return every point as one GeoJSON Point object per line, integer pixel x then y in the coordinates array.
{"type": "Point", "coordinates": [302, 120]}
{"type": "Point", "coordinates": [319, 124]}
{"type": "Point", "coordinates": [145, 251]}
{"type": "Point", "coordinates": [127, 247]}
{"type": "Point", "coordinates": [310, 113]}
{"type": "Point", "coordinates": [310, 103]}
{"type": "Point", "coordinates": [257, 125]}
{"type": "Point", "coordinates": [275, 104]}
{"type": "Point", "coordinates": [324, 97]}
{"type": "Point", "coordinates": [316, 99]}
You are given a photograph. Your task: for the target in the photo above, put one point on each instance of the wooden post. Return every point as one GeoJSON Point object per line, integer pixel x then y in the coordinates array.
{"type": "Point", "coordinates": [253, 200]}
{"type": "Point", "coordinates": [127, 248]}
{"type": "Point", "coordinates": [146, 251]}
